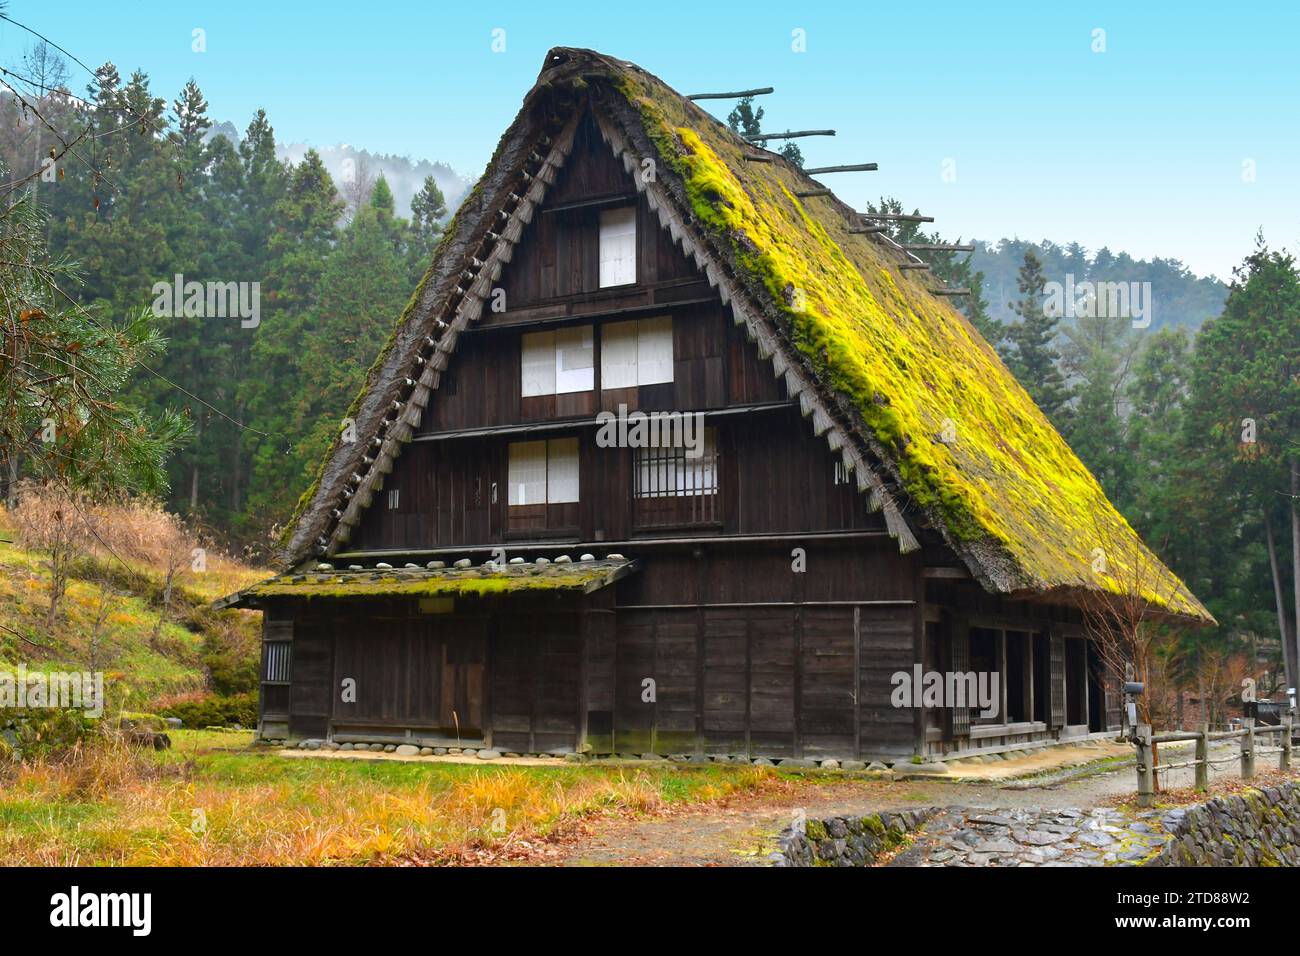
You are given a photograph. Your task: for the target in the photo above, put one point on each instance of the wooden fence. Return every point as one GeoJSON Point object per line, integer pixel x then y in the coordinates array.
{"type": "Point", "coordinates": [1147, 769]}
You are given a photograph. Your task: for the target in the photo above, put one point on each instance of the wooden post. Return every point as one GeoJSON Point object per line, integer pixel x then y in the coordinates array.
{"type": "Point", "coordinates": [1146, 775]}
{"type": "Point", "coordinates": [1203, 757]}
{"type": "Point", "coordinates": [1248, 750]}
{"type": "Point", "coordinates": [1284, 762]}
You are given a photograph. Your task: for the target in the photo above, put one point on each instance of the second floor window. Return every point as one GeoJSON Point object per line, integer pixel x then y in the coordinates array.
{"type": "Point", "coordinates": [543, 472]}
{"type": "Point", "coordinates": [558, 362]}
{"type": "Point", "coordinates": [617, 246]}
{"type": "Point", "coordinates": [672, 473]}
{"type": "Point", "coordinates": [672, 489]}
{"type": "Point", "coordinates": [636, 352]}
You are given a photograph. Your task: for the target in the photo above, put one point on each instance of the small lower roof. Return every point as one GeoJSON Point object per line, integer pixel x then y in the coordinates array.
{"type": "Point", "coordinates": [433, 580]}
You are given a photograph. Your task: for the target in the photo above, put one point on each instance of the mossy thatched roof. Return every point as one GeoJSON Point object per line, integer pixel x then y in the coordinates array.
{"type": "Point", "coordinates": [485, 580]}
{"type": "Point", "coordinates": [898, 365]}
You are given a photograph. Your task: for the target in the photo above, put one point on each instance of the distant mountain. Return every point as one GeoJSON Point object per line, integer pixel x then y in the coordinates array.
{"type": "Point", "coordinates": [405, 176]}
{"type": "Point", "coordinates": [1178, 297]}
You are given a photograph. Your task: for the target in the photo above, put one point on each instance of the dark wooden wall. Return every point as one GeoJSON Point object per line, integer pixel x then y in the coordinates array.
{"type": "Point", "coordinates": [554, 260]}
{"type": "Point", "coordinates": [750, 656]}
{"type": "Point", "coordinates": [536, 680]}
{"type": "Point", "coordinates": [774, 477]}
{"type": "Point", "coordinates": [714, 366]}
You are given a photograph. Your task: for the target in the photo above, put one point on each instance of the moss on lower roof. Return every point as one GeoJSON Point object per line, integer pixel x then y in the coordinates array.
{"type": "Point", "coordinates": [480, 581]}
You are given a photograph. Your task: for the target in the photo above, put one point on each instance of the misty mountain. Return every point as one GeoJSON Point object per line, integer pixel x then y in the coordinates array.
{"type": "Point", "coordinates": [1177, 296]}
{"type": "Point", "coordinates": [405, 176]}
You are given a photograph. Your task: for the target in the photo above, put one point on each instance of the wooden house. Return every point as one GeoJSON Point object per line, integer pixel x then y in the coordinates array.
{"type": "Point", "coordinates": [869, 490]}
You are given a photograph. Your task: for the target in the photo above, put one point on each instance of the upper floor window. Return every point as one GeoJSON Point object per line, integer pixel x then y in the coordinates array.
{"type": "Point", "coordinates": [543, 472]}
{"type": "Point", "coordinates": [673, 488]}
{"type": "Point", "coordinates": [617, 246]}
{"type": "Point", "coordinates": [673, 472]}
{"type": "Point", "coordinates": [636, 352]}
{"type": "Point", "coordinates": [559, 362]}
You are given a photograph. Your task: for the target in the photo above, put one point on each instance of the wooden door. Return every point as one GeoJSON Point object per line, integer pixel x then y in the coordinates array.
{"type": "Point", "coordinates": [463, 652]}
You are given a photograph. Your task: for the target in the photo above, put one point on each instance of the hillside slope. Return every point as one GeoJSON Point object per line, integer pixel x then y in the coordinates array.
{"type": "Point", "coordinates": [112, 619]}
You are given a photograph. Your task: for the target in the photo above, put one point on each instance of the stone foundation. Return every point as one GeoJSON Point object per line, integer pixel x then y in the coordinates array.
{"type": "Point", "coordinates": [1255, 828]}
{"type": "Point", "coordinates": [846, 841]}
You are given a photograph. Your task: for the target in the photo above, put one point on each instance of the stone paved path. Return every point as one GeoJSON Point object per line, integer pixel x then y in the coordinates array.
{"type": "Point", "coordinates": [964, 836]}
{"type": "Point", "coordinates": [743, 833]}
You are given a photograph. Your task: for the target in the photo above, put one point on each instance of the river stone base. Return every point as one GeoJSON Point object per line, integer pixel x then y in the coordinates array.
{"type": "Point", "coordinates": [787, 763]}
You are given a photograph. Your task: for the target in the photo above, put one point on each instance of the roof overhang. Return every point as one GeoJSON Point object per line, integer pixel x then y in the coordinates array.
{"type": "Point", "coordinates": [435, 580]}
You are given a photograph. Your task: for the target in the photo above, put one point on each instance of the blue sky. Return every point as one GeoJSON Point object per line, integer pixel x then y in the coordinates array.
{"type": "Point", "coordinates": [1140, 148]}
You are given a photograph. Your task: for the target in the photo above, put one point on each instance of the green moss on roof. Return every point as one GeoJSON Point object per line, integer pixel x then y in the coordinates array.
{"type": "Point", "coordinates": [444, 582]}
{"type": "Point", "coordinates": [907, 363]}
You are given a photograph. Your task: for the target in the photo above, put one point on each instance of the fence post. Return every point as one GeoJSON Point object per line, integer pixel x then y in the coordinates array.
{"type": "Point", "coordinates": [1203, 757]}
{"type": "Point", "coordinates": [1248, 750]}
{"type": "Point", "coordinates": [1146, 775]}
{"type": "Point", "coordinates": [1285, 760]}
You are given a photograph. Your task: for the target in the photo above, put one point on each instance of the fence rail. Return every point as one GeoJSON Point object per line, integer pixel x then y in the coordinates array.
{"type": "Point", "coordinates": [1145, 741]}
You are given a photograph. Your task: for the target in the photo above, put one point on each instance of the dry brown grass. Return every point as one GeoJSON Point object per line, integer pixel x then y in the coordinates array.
{"type": "Point", "coordinates": [137, 532]}
{"type": "Point", "coordinates": [112, 805]}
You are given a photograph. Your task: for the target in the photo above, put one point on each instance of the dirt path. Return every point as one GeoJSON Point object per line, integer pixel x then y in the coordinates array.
{"type": "Point", "coordinates": [741, 831]}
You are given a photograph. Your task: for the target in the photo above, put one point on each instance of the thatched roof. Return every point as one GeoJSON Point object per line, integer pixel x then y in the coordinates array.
{"type": "Point", "coordinates": [881, 367]}
{"type": "Point", "coordinates": [435, 579]}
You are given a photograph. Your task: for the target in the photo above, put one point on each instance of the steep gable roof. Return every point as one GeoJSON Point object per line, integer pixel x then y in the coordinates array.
{"type": "Point", "coordinates": [882, 367]}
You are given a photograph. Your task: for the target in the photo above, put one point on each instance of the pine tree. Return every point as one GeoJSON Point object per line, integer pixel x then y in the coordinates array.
{"type": "Point", "coordinates": [62, 415]}
{"type": "Point", "coordinates": [744, 119]}
{"type": "Point", "coordinates": [306, 221]}
{"type": "Point", "coordinates": [1029, 347]}
{"type": "Point", "coordinates": [1242, 423]}
{"type": "Point", "coordinates": [428, 208]}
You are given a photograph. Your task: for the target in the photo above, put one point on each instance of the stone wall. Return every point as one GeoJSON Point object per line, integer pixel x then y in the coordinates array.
{"type": "Point", "coordinates": [846, 841]}
{"type": "Point", "coordinates": [1255, 828]}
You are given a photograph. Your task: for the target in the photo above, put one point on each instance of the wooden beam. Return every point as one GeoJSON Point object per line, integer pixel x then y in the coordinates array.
{"type": "Point", "coordinates": [528, 428]}
{"type": "Point", "coordinates": [950, 291]}
{"type": "Point", "coordinates": [857, 168]}
{"type": "Point", "coordinates": [860, 230]}
{"type": "Point", "coordinates": [914, 265]}
{"type": "Point", "coordinates": [614, 199]}
{"type": "Point", "coordinates": [809, 193]}
{"type": "Point", "coordinates": [789, 134]}
{"type": "Point", "coordinates": [738, 95]}
{"type": "Point", "coordinates": [945, 572]}
{"type": "Point", "coordinates": [938, 247]}
{"type": "Point", "coordinates": [755, 159]}
{"type": "Point", "coordinates": [594, 546]}
{"type": "Point", "coordinates": [895, 217]}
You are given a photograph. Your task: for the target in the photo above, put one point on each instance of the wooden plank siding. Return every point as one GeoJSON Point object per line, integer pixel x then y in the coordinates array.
{"type": "Point", "coordinates": [775, 477]}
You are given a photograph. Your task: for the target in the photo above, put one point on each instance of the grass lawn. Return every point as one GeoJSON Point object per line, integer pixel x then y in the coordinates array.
{"type": "Point", "coordinates": [213, 800]}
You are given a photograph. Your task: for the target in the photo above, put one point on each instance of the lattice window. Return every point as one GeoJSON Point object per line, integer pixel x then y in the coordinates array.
{"type": "Point", "coordinates": [277, 662]}
{"type": "Point", "coordinates": [672, 473]}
